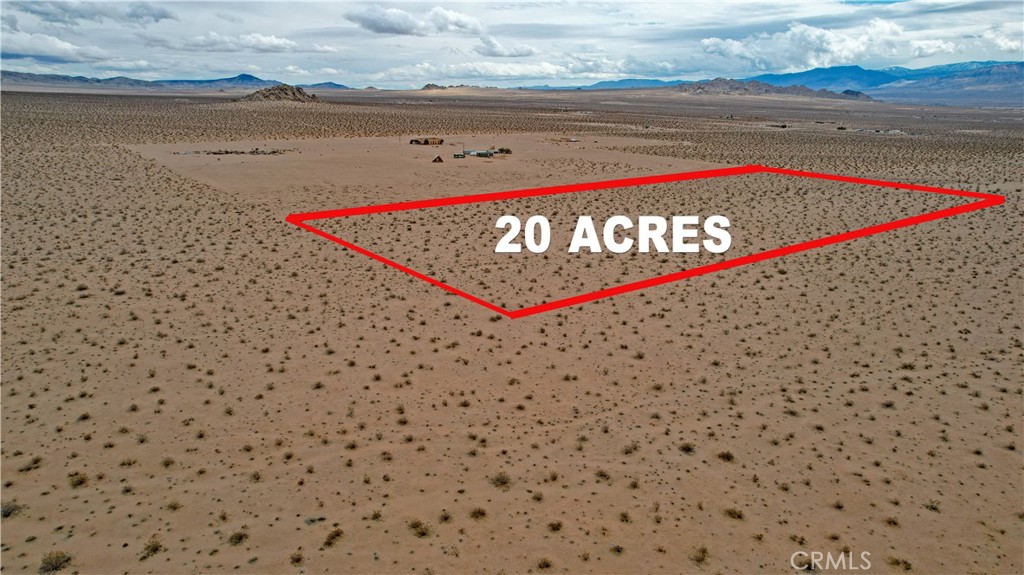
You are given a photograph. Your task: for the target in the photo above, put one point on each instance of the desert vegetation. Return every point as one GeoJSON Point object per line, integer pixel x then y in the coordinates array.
{"type": "Point", "coordinates": [190, 384]}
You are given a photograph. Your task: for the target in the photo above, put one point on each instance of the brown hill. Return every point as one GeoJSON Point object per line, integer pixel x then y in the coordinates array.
{"type": "Point", "coordinates": [280, 93]}
{"type": "Point", "coordinates": [755, 88]}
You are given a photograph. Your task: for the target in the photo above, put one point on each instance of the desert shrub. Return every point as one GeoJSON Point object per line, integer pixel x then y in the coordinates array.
{"type": "Point", "coordinates": [10, 509]}
{"type": "Point", "coordinates": [419, 528]}
{"type": "Point", "coordinates": [54, 561]}
{"type": "Point", "coordinates": [152, 547]}
{"type": "Point", "coordinates": [501, 480]}
{"type": "Point", "coordinates": [333, 537]}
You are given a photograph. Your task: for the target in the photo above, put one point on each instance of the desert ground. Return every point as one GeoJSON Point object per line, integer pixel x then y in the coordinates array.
{"type": "Point", "coordinates": [190, 384]}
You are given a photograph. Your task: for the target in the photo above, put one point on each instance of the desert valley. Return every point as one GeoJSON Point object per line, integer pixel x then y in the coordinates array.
{"type": "Point", "coordinates": [192, 384]}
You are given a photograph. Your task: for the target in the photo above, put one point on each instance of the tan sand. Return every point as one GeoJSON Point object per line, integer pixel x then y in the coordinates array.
{"type": "Point", "coordinates": [190, 384]}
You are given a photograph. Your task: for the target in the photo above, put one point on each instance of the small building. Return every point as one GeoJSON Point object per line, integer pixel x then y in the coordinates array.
{"type": "Point", "coordinates": [459, 155]}
{"type": "Point", "coordinates": [427, 141]}
{"type": "Point", "coordinates": [437, 160]}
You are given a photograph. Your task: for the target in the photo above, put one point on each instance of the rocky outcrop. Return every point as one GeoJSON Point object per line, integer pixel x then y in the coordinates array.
{"type": "Point", "coordinates": [280, 93]}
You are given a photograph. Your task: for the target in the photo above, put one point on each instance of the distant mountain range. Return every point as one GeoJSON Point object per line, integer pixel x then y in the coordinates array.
{"type": "Point", "coordinates": [720, 86]}
{"type": "Point", "coordinates": [988, 83]}
{"type": "Point", "coordinates": [915, 74]}
{"type": "Point", "coordinates": [1000, 85]}
{"type": "Point", "coordinates": [965, 83]}
{"type": "Point", "coordinates": [325, 86]}
{"type": "Point", "coordinates": [837, 78]}
{"type": "Point", "coordinates": [239, 82]}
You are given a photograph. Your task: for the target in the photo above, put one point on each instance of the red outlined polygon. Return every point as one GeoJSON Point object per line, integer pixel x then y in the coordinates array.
{"type": "Point", "coordinates": [983, 201]}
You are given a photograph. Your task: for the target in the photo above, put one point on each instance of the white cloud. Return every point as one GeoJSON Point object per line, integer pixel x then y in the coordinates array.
{"type": "Point", "coordinates": [73, 13]}
{"type": "Point", "coordinates": [325, 49]}
{"type": "Point", "coordinates": [128, 66]}
{"type": "Point", "coordinates": [1002, 42]}
{"type": "Point", "coordinates": [567, 67]}
{"type": "Point", "coordinates": [214, 42]}
{"type": "Point", "coordinates": [262, 43]}
{"type": "Point", "coordinates": [396, 21]}
{"type": "Point", "coordinates": [45, 48]}
{"type": "Point", "coordinates": [924, 48]}
{"type": "Point", "coordinates": [387, 21]}
{"type": "Point", "coordinates": [426, 70]}
{"type": "Point", "coordinates": [444, 20]}
{"type": "Point", "coordinates": [802, 46]}
{"type": "Point", "coordinates": [489, 46]}
{"type": "Point", "coordinates": [296, 71]}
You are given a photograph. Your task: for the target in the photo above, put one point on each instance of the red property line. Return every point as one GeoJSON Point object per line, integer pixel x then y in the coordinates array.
{"type": "Point", "coordinates": [399, 266]}
{"type": "Point", "coordinates": [984, 201]}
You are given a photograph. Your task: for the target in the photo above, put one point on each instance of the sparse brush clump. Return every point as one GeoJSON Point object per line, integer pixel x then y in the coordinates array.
{"type": "Point", "coordinates": [77, 479]}
{"type": "Point", "coordinates": [333, 537]}
{"type": "Point", "coordinates": [237, 538]}
{"type": "Point", "coordinates": [502, 481]}
{"type": "Point", "coordinates": [700, 555]}
{"type": "Point", "coordinates": [152, 547]}
{"type": "Point", "coordinates": [734, 513]}
{"type": "Point", "coordinates": [54, 561]}
{"type": "Point", "coordinates": [10, 509]}
{"type": "Point", "coordinates": [419, 528]}
{"type": "Point", "coordinates": [478, 513]}
{"type": "Point", "coordinates": [899, 563]}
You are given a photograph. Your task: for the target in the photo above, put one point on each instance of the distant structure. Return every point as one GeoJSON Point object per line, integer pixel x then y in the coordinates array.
{"type": "Point", "coordinates": [427, 141]}
{"type": "Point", "coordinates": [437, 160]}
{"type": "Point", "coordinates": [280, 93]}
{"type": "Point", "coordinates": [484, 153]}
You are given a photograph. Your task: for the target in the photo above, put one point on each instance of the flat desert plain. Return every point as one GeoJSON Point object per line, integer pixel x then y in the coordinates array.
{"type": "Point", "coordinates": [190, 384]}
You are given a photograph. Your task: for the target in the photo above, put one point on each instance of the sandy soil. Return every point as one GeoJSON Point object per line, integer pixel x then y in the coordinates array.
{"type": "Point", "coordinates": [190, 384]}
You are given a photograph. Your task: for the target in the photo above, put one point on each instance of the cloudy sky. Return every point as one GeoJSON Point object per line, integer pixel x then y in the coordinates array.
{"type": "Point", "coordinates": [407, 44]}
